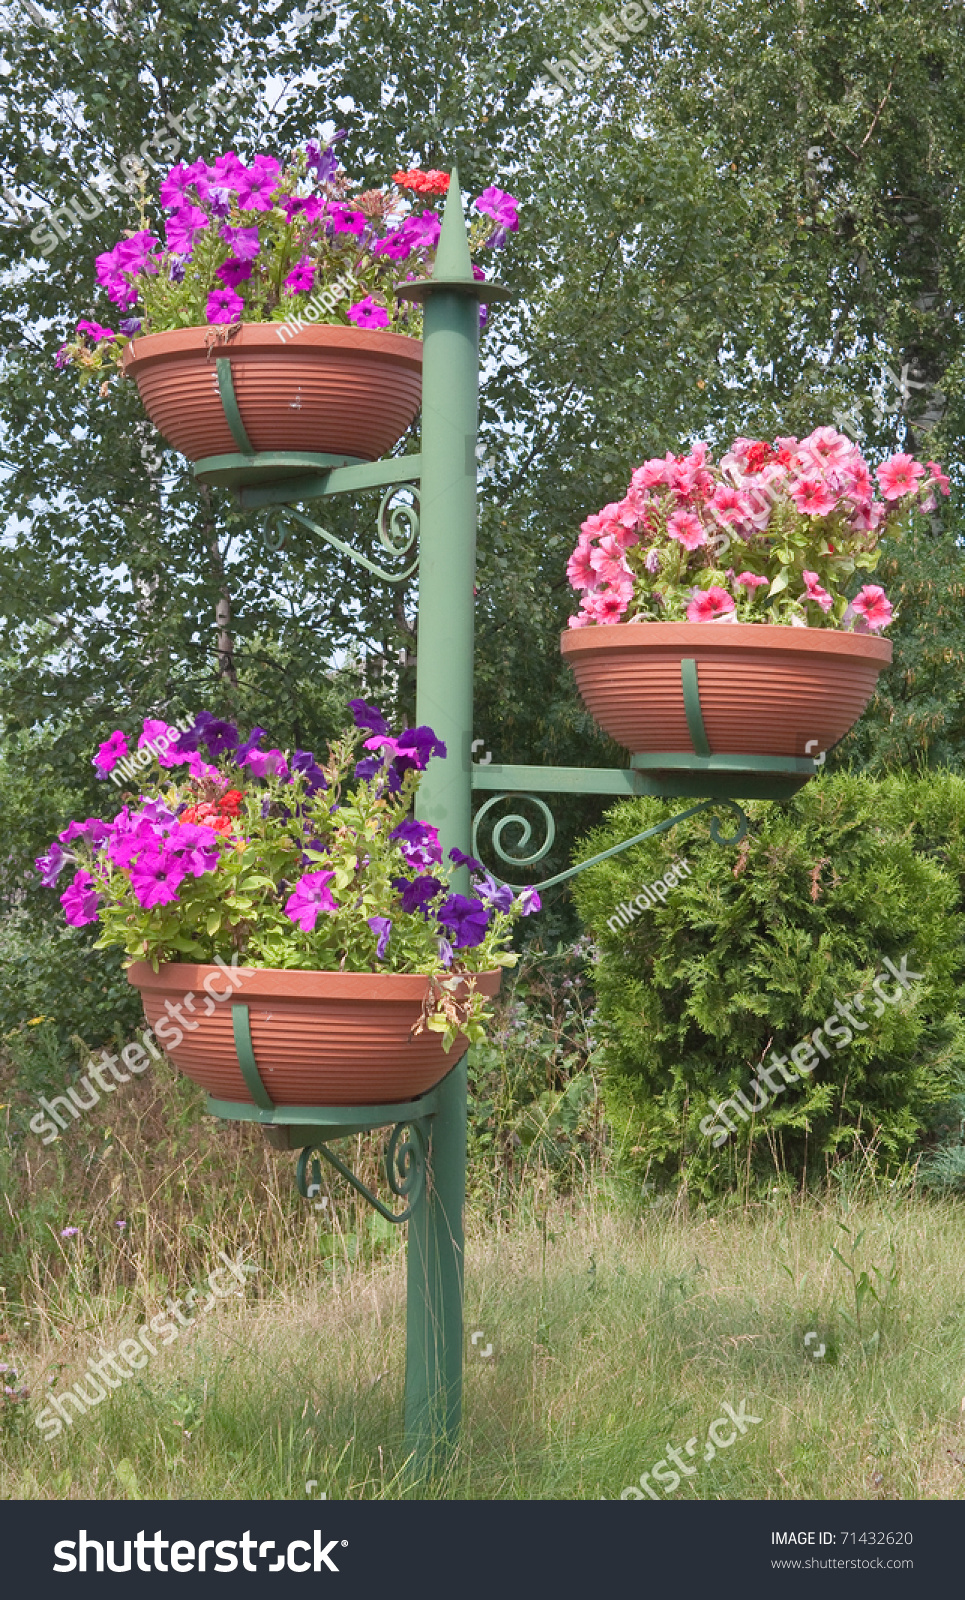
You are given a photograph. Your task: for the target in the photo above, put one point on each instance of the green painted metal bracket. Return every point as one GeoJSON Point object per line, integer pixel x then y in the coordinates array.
{"type": "Point", "coordinates": [331, 1121]}
{"type": "Point", "coordinates": [281, 517]}
{"type": "Point", "coordinates": [695, 717]}
{"type": "Point", "coordinates": [559, 780]}
{"type": "Point", "coordinates": [405, 1169]}
{"type": "Point", "coordinates": [328, 481]}
{"type": "Point", "coordinates": [229, 400]}
{"type": "Point", "coordinates": [241, 1024]}
{"type": "Point", "coordinates": [604, 855]}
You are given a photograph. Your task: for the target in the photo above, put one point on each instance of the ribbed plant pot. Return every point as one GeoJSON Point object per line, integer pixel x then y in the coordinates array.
{"type": "Point", "coordinates": [327, 390]}
{"type": "Point", "coordinates": [319, 1038]}
{"type": "Point", "coordinates": [764, 689]}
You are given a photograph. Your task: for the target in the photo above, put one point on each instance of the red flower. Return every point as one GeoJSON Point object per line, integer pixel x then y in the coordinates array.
{"type": "Point", "coordinates": [230, 804]}
{"type": "Point", "coordinates": [431, 182]}
{"type": "Point", "coordinates": [758, 455]}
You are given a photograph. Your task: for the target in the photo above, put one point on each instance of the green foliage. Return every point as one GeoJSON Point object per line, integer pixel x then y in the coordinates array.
{"type": "Point", "coordinates": [750, 955]}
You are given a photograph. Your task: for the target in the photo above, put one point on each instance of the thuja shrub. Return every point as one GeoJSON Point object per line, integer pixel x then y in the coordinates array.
{"type": "Point", "coordinates": [748, 956]}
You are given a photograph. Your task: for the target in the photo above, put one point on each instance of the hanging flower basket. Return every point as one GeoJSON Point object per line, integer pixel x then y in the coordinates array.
{"type": "Point", "coordinates": [723, 612]}
{"type": "Point", "coordinates": [267, 322]}
{"type": "Point", "coordinates": [317, 1038]}
{"type": "Point", "coordinates": [763, 690]}
{"type": "Point", "coordinates": [347, 391]}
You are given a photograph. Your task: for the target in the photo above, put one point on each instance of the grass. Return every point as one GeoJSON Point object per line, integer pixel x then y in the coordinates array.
{"type": "Point", "coordinates": [614, 1335]}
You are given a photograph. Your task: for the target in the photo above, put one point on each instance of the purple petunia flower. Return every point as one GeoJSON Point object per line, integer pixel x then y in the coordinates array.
{"type": "Point", "coordinates": [311, 896]}
{"type": "Point", "coordinates": [243, 241]}
{"type": "Point", "coordinates": [177, 269]}
{"type": "Point", "coordinates": [494, 894]}
{"type": "Point", "coordinates": [129, 326]}
{"type": "Point", "coordinates": [382, 926]}
{"type": "Point", "coordinates": [366, 716]}
{"type": "Point", "coordinates": [417, 894]}
{"type": "Point", "coordinates": [93, 830]}
{"type": "Point", "coordinates": [367, 768]}
{"type": "Point", "coordinates": [304, 762]}
{"type": "Point", "coordinates": [80, 900]}
{"type": "Point", "coordinates": [446, 951]}
{"type": "Point", "coordinates": [110, 753]}
{"type": "Point", "coordinates": [224, 306]}
{"type": "Point", "coordinates": [529, 901]}
{"type": "Point", "coordinates": [233, 272]}
{"type": "Point", "coordinates": [219, 199]}
{"type": "Point", "coordinates": [251, 743]}
{"type": "Point", "coordinates": [52, 864]}
{"type": "Point", "coordinates": [418, 842]}
{"type": "Point", "coordinates": [366, 314]}
{"type": "Point", "coordinates": [207, 729]}
{"type": "Point", "coordinates": [468, 920]}
{"type": "Point", "coordinates": [462, 860]}
{"type": "Point", "coordinates": [323, 162]}
{"type": "Point", "coordinates": [499, 205]}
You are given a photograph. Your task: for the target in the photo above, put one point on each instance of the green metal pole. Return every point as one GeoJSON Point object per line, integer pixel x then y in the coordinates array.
{"type": "Point", "coordinates": [447, 561]}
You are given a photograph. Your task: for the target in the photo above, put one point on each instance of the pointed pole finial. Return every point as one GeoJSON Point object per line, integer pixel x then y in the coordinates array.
{"type": "Point", "coordinates": [452, 254]}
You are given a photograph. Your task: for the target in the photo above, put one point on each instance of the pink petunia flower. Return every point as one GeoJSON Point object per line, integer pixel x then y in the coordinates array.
{"type": "Point", "coordinates": [938, 477]}
{"type": "Point", "coordinates": [687, 530]}
{"type": "Point", "coordinates": [708, 604]}
{"type": "Point", "coordinates": [899, 476]}
{"type": "Point", "coordinates": [751, 581]}
{"type": "Point", "coordinates": [95, 331]}
{"type": "Point", "coordinates": [80, 900]}
{"type": "Point", "coordinates": [815, 591]}
{"type": "Point", "coordinates": [825, 446]}
{"type": "Point", "coordinates": [606, 605]}
{"type": "Point", "coordinates": [579, 568]}
{"type": "Point", "coordinates": [608, 563]}
{"type": "Point", "coordinates": [873, 605]}
{"type": "Point", "coordinates": [812, 496]}
{"type": "Point", "coordinates": [729, 505]}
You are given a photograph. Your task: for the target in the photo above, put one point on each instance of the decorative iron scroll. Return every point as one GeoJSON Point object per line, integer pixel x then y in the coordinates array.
{"type": "Point", "coordinates": [514, 819]}
{"type": "Point", "coordinates": [405, 1170]}
{"type": "Point", "coordinates": [398, 531]}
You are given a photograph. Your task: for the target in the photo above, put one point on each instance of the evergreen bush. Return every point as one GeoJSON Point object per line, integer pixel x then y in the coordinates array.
{"type": "Point", "coordinates": [750, 954]}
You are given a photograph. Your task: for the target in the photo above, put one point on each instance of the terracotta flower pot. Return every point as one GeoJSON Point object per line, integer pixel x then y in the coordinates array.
{"type": "Point", "coordinates": [319, 1038]}
{"type": "Point", "coordinates": [326, 390]}
{"type": "Point", "coordinates": [765, 689]}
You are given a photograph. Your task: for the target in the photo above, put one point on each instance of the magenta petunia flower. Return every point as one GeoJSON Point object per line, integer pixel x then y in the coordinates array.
{"type": "Point", "coordinates": [499, 205]}
{"type": "Point", "coordinates": [79, 900]}
{"type": "Point", "coordinates": [95, 331]}
{"type": "Point", "coordinates": [873, 605]}
{"type": "Point", "coordinates": [312, 895]}
{"type": "Point", "coordinates": [224, 306]}
{"type": "Point", "coordinates": [708, 604]}
{"type": "Point", "coordinates": [366, 314]}
{"type": "Point", "coordinates": [243, 241]}
{"type": "Point", "coordinates": [302, 277]}
{"type": "Point", "coordinates": [344, 220]}
{"type": "Point", "coordinates": [110, 753]}
{"type": "Point", "coordinates": [233, 272]}
{"type": "Point", "coordinates": [256, 188]}
{"type": "Point", "coordinates": [181, 229]}
{"type": "Point", "coordinates": [156, 877]}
